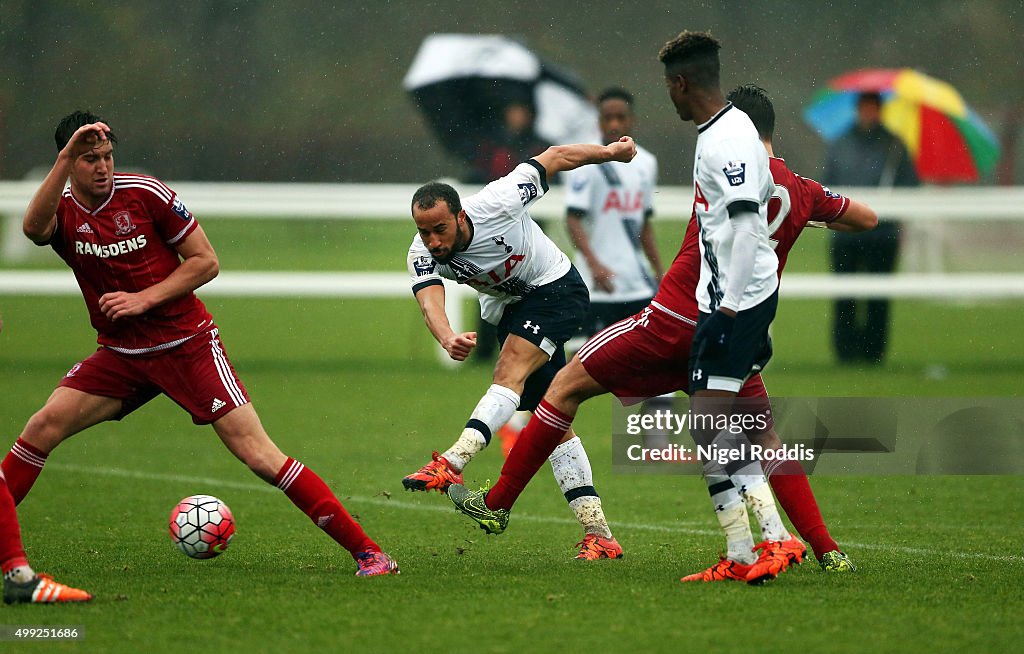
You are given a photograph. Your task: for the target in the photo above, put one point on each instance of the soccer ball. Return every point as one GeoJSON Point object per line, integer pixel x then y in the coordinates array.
{"type": "Point", "coordinates": [202, 526]}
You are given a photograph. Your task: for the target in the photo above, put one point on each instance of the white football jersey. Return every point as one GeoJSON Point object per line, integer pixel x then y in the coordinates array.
{"type": "Point", "coordinates": [731, 165]}
{"type": "Point", "coordinates": [615, 199]}
{"type": "Point", "coordinates": [508, 254]}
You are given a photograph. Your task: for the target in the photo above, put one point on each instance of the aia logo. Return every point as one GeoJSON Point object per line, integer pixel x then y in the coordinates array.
{"type": "Point", "coordinates": [625, 201]}
{"type": "Point", "coordinates": [123, 224]}
{"type": "Point", "coordinates": [500, 241]}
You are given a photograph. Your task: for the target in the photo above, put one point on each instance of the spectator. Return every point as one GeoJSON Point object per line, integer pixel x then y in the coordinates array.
{"type": "Point", "coordinates": [868, 156]}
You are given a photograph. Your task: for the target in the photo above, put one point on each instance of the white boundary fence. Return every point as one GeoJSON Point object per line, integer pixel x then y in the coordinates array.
{"type": "Point", "coordinates": [210, 200]}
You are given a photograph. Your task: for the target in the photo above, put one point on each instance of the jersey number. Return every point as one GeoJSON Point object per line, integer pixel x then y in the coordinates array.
{"type": "Point", "coordinates": [781, 209]}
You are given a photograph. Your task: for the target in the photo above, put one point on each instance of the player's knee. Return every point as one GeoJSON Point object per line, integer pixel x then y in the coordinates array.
{"type": "Point", "coordinates": [264, 462]}
{"type": "Point", "coordinates": [572, 383]}
{"type": "Point", "coordinates": [45, 430]}
{"type": "Point", "coordinates": [511, 376]}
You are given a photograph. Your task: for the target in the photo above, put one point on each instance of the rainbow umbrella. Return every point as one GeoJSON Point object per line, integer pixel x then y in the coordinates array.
{"type": "Point", "coordinates": [947, 140]}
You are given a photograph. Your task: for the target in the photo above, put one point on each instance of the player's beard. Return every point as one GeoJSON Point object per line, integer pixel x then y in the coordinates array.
{"type": "Point", "coordinates": [461, 240]}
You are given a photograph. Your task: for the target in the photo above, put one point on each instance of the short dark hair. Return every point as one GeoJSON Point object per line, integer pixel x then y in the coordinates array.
{"type": "Point", "coordinates": [428, 195]}
{"type": "Point", "coordinates": [615, 93]}
{"type": "Point", "coordinates": [694, 55]}
{"type": "Point", "coordinates": [870, 96]}
{"type": "Point", "coordinates": [69, 124]}
{"type": "Point", "coordinates": [753, 101]}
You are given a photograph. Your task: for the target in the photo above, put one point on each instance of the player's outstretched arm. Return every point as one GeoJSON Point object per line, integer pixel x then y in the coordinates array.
{"type": "Point", "coordinates": [560, 158]}
{"type": "Point", "coordinates": [41, 216]}
{"type": "Point", "coordinates": [431, 301]}
{"type": "Point", "coordinates": [858, 217]}
{"type": "Point", "coordinates": [199, 266]}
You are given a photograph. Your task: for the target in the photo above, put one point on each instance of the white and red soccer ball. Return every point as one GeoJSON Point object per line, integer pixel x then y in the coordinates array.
{"type": "Point", "coordinates": [202, 526]}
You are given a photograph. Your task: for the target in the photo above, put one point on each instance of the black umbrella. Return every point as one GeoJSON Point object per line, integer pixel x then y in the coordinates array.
{"type": "Point", "coordinates": [464, 82]}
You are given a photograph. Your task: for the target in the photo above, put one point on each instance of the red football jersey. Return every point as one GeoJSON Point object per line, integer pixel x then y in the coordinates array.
{"type": "Point", "coordinates": [128, 244]}
{"type": "Point", "coordinates": [796, 201]}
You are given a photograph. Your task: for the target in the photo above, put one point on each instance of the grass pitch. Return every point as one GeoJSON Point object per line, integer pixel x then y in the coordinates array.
{"type": "Point", "coordinates": [353, 389]}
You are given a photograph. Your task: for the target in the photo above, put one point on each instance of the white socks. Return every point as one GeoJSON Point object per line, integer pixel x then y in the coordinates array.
{"type": "Point", "coordinates": [492, 411]}
{"type": "Point", "coordinates": [739, 540]}
{"type": "Point", "coordinates": [21, 574]}
{"type": "Point", "coordinates": [575, 478]}
{"type": "Point", "coordinates": [761, 502]}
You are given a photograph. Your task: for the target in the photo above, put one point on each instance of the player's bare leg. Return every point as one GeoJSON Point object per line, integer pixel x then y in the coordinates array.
{"type": "Point", "coordinates": [518, 359]}
{"type": "Point", "coordinates": [243, 434]}
{"type": "Point", "coordinates": [66, 412]}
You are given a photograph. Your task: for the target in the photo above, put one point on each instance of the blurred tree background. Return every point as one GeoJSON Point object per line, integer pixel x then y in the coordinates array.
{"type": "Point", "coordinates": [311, 91]}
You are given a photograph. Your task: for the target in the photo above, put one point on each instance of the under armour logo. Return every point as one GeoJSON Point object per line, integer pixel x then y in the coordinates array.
{"type": "Point", "coordinates": [697, 374]}
{"type": "Point", "coordinates": [529, 325]}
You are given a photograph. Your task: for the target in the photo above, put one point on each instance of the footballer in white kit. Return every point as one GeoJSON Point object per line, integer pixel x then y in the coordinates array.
{"type": "Point", "coordinates": [508, 256]}
{"type": "Point", "coordinates": [732, 183]}
{"type": "Point", "coordinates": [613, 202]}
{"type": "Point", "coordinates": [608, 211]}
{"type": "Point", "coordinates": [530, 291]}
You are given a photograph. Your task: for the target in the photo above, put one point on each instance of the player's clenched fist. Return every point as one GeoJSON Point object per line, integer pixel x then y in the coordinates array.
{"type": "Point", "coordinates": [623, 150]}
{"type": "Point", "coordinates": [460, 345]}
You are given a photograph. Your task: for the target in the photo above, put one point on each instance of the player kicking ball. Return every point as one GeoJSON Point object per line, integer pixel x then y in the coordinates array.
{"type": "Point", "coordinates": [534, 296]}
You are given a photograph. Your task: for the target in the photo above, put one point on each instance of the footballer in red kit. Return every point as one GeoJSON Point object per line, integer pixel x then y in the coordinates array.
{"type": "Point", "coordinates": [139, 255]}
{"type": "Point", "coordinates": [127, 244]}
{"type": "Point", "coordinates": [647, 354]}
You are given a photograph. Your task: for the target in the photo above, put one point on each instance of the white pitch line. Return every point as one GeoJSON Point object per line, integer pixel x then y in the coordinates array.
{"type": "Point", "coordinates": [676, 528]}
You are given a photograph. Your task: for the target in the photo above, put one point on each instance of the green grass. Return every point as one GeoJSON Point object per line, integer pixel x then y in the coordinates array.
{"type": "Point", "coordinates": [353, 389]}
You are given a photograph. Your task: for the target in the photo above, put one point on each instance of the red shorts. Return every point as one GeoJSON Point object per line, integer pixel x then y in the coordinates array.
{"type": "Point", "coordinates": [196, 374]}
{"type": "Point", "coordinates": [648, 354]}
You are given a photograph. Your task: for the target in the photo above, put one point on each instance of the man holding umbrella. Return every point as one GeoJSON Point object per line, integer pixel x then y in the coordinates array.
{"type": "Point", "coordinates": [869, 155]}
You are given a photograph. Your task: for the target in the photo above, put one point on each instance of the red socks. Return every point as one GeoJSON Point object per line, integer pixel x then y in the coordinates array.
{"type": "Point", "coordinates": [536, 442]}
{"type": "Point", "coordinates": [21, 467]}
{"type": "Point", "coordinates": [789, 482]}
{"type": "Point", "coordinates": [308, 492]}
{"type": "Point", "coordinates": [12, 553]}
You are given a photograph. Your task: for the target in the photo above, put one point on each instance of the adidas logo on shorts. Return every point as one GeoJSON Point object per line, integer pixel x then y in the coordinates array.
{"type": "Point", "coordinates": [218, 404]}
